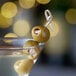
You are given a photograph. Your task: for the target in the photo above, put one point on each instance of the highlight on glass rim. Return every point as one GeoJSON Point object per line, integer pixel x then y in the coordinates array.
{"type": "Point", "coordinates": [37, 37]}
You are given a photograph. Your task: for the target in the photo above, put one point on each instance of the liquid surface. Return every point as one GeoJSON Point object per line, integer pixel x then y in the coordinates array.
{"type": "Point", "coordinates": [7, 63]}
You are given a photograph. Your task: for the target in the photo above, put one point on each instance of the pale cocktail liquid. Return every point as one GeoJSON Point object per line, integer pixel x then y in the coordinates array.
{"type": "Point", "coordinates": [7, 64]}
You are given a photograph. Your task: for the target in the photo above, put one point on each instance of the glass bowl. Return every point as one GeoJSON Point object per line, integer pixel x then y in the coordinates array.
{"type": "Point", "coordinates": [11, 52]}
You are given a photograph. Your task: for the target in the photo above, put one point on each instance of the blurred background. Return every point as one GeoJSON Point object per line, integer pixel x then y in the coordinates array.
{"type": "Point", "coordinates": [58, 57]}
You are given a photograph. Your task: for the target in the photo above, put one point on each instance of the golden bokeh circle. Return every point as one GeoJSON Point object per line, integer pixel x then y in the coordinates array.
{"type": "Point", "coordinates": [21, 28]}
{"type": "Point", "coordinates": [5, 22]}
{"type": "Point", "coordinates": [9, 10]}
{"type": "Point", "coordinates": [43, 1]}
{"type": "Point", "coordinates": [71, 16]}
{"type": "Point", "coordinates": [55, 28]}
{"type": "Point", "coordinates": [26, 4]}
{"type": "Point", "coordinates": [10, 35]}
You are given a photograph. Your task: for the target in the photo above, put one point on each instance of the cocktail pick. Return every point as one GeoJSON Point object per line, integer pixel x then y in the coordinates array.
{"type": "Point", "coordinates": [49, 18]}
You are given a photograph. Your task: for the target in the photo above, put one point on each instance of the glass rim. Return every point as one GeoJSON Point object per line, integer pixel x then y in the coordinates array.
{"type": "Point", "coordinates": [18, 45]}
{"type": "Point", "coordinates": [14, 38]}
{"type": "Point", "coordinates": [15, 48]}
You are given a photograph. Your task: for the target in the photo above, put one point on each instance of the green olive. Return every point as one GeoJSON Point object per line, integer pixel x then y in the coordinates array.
{"type": "Point", "coordinates": [40, 33]}
{"type": "Point", "coordinates": [30, 43]}
{"type": "Point", "coordinates": [32, 49]}
{"type": "Point", "coordinates": [23, 66]}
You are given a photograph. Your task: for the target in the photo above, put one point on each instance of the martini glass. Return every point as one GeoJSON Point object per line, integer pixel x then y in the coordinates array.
{"type": "Point", "coordinates": [13, 61]}
{"type": "Point", "coordinates": [11, 52]}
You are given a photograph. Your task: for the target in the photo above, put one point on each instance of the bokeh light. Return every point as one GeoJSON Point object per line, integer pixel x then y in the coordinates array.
{"type": "Point", "coordinates": [9, 10]}
{"type": "Point", "coordinates": [36, 4]}
{"type": "Point", "coordinates": [71, 16]}
{"type": "Point", "coordinates": [43, 1]}
{"type": "Point", "coordinates": [21, 28]}
{"type": "Point", "coordinates": [5, 22]}
{"type": "Point", "coordinates": [54, 28]}
{"type": "Point", "coordinates": [9, 35]}
{"type": "Point", "coordinates": [26, 4]}
{"type": "Point", "coordinates": [57, 42]}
